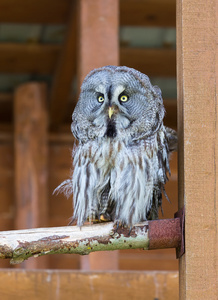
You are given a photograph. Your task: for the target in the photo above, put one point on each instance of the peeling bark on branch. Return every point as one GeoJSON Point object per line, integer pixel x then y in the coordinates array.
{"type": "Point", "coordinates": [19, 245]}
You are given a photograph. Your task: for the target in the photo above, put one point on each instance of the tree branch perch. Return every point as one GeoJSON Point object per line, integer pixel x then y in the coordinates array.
{"type": "Point", "coordinates": [19, 245]}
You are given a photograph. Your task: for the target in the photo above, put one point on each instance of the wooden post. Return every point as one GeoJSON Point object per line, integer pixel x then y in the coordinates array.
{"type": "Point", "coordinates": [98, 35]}
{"type": "Point", "coordinates": [98, 46]}
{"type": "Point", "coordinates": [198, 145]}
{"type": "Point", "coordinates": [30, 142]}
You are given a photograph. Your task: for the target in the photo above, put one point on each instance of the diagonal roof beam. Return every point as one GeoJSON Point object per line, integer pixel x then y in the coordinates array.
{"type": "Point", "coordinates": [34, 11]}
{"type": "Point", "coordinates": [65, 72]}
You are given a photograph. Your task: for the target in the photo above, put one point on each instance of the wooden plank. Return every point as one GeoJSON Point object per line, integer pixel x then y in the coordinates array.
{"type": "Point", "coordinates": [28, 58]}
{"type": "Point", "coordinates": [50, 284]}
{"type": "Point", "coordinates": [152, 62]}
{"type": "Point", "coordinates": [198, 140]}
{"type": "Point", "coordinates": [148, 13]}
{"type": "Point", "coordinates": [65, 72]}
{"type": "Point", "coordinates": [41, 59]}
{"type": "Point", "coordinates": [6, 111]}
{"type": "Point", "coordinates": [98, 32]}
{"type": "Point", "coordinates": [98, 46]}
{"type": "Point", "coordinates": [30, 141]}
{"type": "Point", "coordinates": [34, 11]}
{"type": "Point", "coordinates": [132, 12]}
{"type": "Point", "coordinates": [7, 211]}
{"type": "Point", "coordinates": [162, 260]}
{"type": "Point", "coordinates": [60, 164]}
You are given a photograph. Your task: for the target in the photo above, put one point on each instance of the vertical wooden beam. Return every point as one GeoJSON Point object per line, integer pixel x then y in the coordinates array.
{"type": "Point", "coordinates": [31, 149]}
{"type": "Point", "coordinates": [98, 46]}
{"type": "Point", "coordinates": [98, 35]}
{"type": "Point", "coordinates": [198, 145]}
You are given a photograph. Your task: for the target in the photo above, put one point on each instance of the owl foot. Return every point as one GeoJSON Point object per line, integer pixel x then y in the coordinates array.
{"type": "Point", "coordinates": [122, 228]}
{"type": "Point", "coordinates": [118, 225]}
{"type": "Point", "coordinates": [130, 229]}
{"type": "Point", "coordinates": [102, 218]}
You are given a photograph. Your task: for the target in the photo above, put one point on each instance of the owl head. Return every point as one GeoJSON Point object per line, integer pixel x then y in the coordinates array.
{"type": "Point", "coordinates": [118, 103]}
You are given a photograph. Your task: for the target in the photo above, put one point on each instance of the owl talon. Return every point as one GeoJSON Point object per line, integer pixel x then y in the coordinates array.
{"type": "Point", "coordinates": [117, 225]}
{"type": "Point", "coordinates": [130, 231]}
{"type": "Point", "coordinates": [104, 218]}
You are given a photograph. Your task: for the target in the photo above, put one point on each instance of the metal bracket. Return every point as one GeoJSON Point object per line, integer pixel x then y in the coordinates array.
{"type": "Point", "coordinates": [180, 250]}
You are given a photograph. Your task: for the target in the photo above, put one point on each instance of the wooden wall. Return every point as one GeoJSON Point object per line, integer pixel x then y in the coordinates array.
{"type": "Point", "coordinates": [53, 284]}
{"type": "Point", "coordinates": [35, 145]}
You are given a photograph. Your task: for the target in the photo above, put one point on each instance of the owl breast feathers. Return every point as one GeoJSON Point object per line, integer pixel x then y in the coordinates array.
{"type": "Point", "coordinates": [121, 162]}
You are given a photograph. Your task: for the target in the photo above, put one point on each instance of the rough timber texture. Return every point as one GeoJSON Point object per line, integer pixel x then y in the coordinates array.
{"type": "Point", "coordinates": [198, 149]}
{"type": "Point", "coordinates": [98, 31]}
{"type": "Point", "coordinates": [31, 151]}
{"type": "Point", "coordinates": [48, 284]}
{"type": "Point", "coordinates": [7, 210]}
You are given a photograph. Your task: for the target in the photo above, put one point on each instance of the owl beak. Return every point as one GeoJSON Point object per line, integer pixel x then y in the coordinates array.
{"type": "Point", "coordinates": [110, 111]}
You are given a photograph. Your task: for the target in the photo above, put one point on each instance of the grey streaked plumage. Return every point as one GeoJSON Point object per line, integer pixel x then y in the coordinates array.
{"type": "Point", "coordinates": [120, 165]}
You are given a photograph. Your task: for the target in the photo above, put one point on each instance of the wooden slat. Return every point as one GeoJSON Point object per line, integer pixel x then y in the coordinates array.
{"type": "Point", "coordinates": [65, 72]}
{"type": "Point", "coordinates": [198, 153]}
{"type": "Point", "coordinates": [98, 46]}
{"type": "Point", "coordinates": [6, 110]}
{"type": "Point", "coordinates": [30, 140]}
{"type": "Point", "coordinates": [162, 260]}
{"type": "Point", "coordinates": [49, 284]}
{"type": "Point", "coordinates": [148, 12]}
{"type": "Point", "coordinates": [7, 211]}
{"type": "Point", "coordinates": [28, 58]}
{"type": "Point", "coordinates": [60, 164]}
{"type": "Point", "coordinates": [34, 11]}
{"type": "Point", "coordinates": [132, 12]}
{"type": "Point", "coordinates": [42, 59]}
{"type": "Point", "coordinates": [152, 62]}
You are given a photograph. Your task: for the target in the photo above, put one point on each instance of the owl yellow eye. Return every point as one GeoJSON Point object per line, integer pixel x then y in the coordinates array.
{"type": "Point", "coordinates": [100, 99]}
{"type": "Point", "coordinates": [123, 98]}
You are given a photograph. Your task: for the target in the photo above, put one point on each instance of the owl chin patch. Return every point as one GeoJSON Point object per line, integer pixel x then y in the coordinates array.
{"type": "Point", "coordinates": [111, 129]}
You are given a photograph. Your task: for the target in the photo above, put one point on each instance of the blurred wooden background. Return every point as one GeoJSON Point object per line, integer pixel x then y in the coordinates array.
{"type": "Point", "coordinates": [46, 49]}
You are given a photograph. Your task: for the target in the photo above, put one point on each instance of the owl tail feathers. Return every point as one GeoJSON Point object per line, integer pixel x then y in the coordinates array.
{"type": "Point", "coordinates": [65, 187]}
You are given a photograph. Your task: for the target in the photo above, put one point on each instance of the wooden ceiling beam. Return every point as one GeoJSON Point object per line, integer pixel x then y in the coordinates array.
{"type": "Point", "coordinates": [152, 62]}
{"type": "Point", "coordinates": [148, 13]}
{"type": "Point", "coordinates": [28, 58]}
{"type": "Point", "coordinates": [34, 11]}
{"type": "Point", "coordinates": [132, 12]}
{"type": "Point", "coordinates": [41, 59]}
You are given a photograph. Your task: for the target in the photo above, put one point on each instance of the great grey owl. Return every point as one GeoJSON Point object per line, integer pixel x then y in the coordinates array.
{"type": "Point", "coordinates": [121, 162]}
